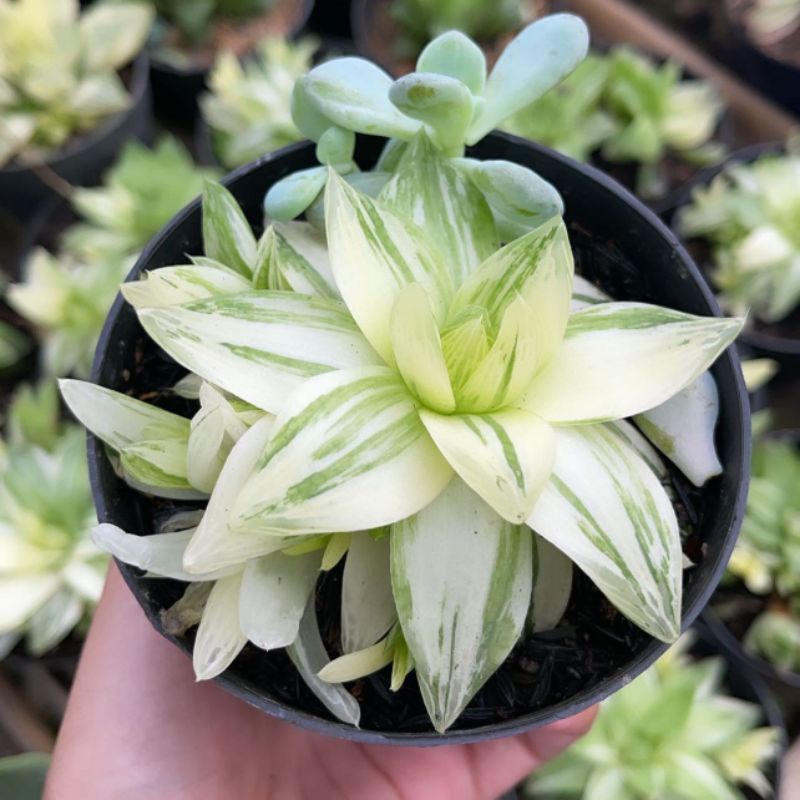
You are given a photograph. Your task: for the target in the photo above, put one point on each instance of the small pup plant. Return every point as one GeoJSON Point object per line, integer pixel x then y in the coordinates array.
{"type": "Point", "coordinates": [672, 734]}
{"type": "Point", "coordinates": [59, 71]}
{"type": "Point", "coordinates": [405, 383]}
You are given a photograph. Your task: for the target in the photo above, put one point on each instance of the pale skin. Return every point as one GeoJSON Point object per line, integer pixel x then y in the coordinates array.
{"type": "Point", "coordinates": [139, 726]}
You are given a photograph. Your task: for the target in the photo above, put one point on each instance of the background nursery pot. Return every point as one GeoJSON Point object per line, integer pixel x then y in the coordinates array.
{"type": "Point", "coordinates": [761, 340]}
{"type": "Point", "coordinates": [24, 188]}
{"type": "Point", "coordinates": [550, 676]}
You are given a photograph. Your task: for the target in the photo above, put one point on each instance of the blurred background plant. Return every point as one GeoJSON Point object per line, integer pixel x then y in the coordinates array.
{"type": "Point", "coordinates": [672, 734]}
{"type": "Point", "coordinates": [58, 70]}
{"type": "Point", "coordinates": [248, 107]}
{"type": "Point", "coordinates": [14, 346]}
{"type": "Point", "coordinates": [194, 21]}
{"type": "Point", "coordinates": [770, 21]}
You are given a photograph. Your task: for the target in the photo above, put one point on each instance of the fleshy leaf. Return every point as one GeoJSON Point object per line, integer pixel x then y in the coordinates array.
{"type": "Point", "coordinates": [418, 349]}
{"type": "Point", "coordinates": [619, 359]}
{"type": "Point", "coordinates": [259, 345]}
{"type": "Point", "coordinates": [219, 637]}
{"type": "Point", "coordinates": [585, 293]}
{"type": "Point", "coordinates": [274, 594]}
{"type": "Point", "coordinates": [358, 664]}
{"type": "Point", "coordinates": [537, 59]}
{"type": "Point", "coordinates": [292, 195]}
{"type": "Point", "coordinates": [505, 456]}
{"type": "Point", "coordinates": [682, 428]}
{"type": "Point", "coordinates": [158, 467]}
{"type": "Point", "coordinates": [605, 509]}
{"type": "Point", "coordinates": [552, 586]}
{"type": "Point", "coordinates": [461, 577]}
{"type": "Point", "coordinates": [367, 601]}
{"type": "Point", "coordinates": [335, 550]}
{"type": "Point", "coordinates": [427, 189]}
{"type": "Point", "coordinates": [348, 453]}
{"type": "Point", "coordinates": [112, 35]}
{"type": "Point", "coordinates": [227, 236]}
{"type": "Point", "coordinates": [456, 55]}
{"type": "Point", "coordinates": [375, 253]}
{"type": "Point", "coordinates": [168, 286]}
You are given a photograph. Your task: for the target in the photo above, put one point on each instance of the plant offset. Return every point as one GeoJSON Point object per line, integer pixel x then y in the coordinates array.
{"type": "Point", "coordinates": [405, 382]}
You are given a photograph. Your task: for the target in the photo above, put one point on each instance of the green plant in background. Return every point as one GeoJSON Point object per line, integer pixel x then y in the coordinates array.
{"type": "Point", "coordinates": [67, 295]}
{"type": "Point", "coordinates": [195, 19]}
{"type": "Point", "coordinates": [391, 386]}
{"type": "Point", "coordinates": [58, 71]}
{"type": "Point", "coordinates": [22, 776]}
{"type": "Point", "coordinates": [248, 109]}
{"type": "Point", "coordinates": [672, 734]}
{"type": "Point", "coordinates": [51, 573]}
{"type": "Point", "coordinates": [771, 21]}
{"type": "Point", "coordinates": [767, 555]}
{"type": "Point", "coordinates": [14, 346]}
{"type": "Point", "coordinates": [750, 213]}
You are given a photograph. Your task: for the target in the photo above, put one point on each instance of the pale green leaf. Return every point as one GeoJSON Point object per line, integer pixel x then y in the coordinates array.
{"type": "Point", "coordinates": [227, 236]}
{"type": "Point", "coordinates": [505, 456]}
{"type": "Point", "coordinates": [292, 195]}
{"type": "Point", "coordinates": [619, 359]}
{"type": "Point", "coordinates": [53, 621]}
{"type": "Point", "coordinates": [335, 550]}
{"type": "Point", "coordinates": [585, 293]}
{"type": "Point", "coordinates": [607, 511]}
{"type": "Point", "coordinates": [112, 34]}
{"type": "Point", "coordinates": [352, 666]}
{"type": "Point", "coordinates": [461, 577]}
{"type": "Point", "coordinates": [22, 595]}
{"type": "Point", "coordinates": [171, 286]}
{"type": "Point", "coordinates": [456, 55]}
{"type": "Point", "coordinates": [219, 637]}
{"type": "Point", "coordinates": [348, 453]}
{"type": "Point", "coordinates": [552, 586]}
{"type": "Point", "coordinates": [158, 467]}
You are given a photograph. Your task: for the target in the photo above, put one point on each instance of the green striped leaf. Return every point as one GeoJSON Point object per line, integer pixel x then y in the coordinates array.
{"type": "Point", "coordinates": [227, 236]}
{"type": "Point", "coordinates": [619, 359]}
{"type": "Point", "coordinates": [348, 453]}
{"type": "Point", "coordinates": [259, 345]}
{"type": "Point", "coordinates": [367, 601]}
{"type": "Point", "coordinates": [375, 253]}
{"type": "Point", "coordinates": [214, 545]}
{"type": "Point", "coordinates": [219, 637]}
{"type": "Point", "coordinates": [552, 586]}
{"type": "Point", "coordinates": [418, 349]}
{"type": "Point", "coordinates": [158, 467]}
{"type": "Point", "coordinates": [427, 189]}
{"type": "Point", "coordinates": [607, 511]}
{"type": "Point", "coordinates": [275, 591]}
{"type": "Point", "coordinates": [120, 420]}
{"type": "Point", "coordinates": [505, 457]}
{"type": "Point", "coordinates": [585, 293]}
{"type": "Point", "coordinates": [171, 286]}
{"type": "Point", "coordinates": [461, 577]}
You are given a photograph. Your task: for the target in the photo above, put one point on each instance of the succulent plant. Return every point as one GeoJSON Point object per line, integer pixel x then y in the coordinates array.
{"type": "Point", "coordinates": [672, 734]}
{"type": "Point", "coordinates": [14, 345]}
{"type": "Point", "coordinates": [749, 214]}
{"type": "Point", "coordinates": [58, 71]}
{"type": "Point", "coordinates": [51, 573]}
{"type": "Point", "coordinates": [771, 21]}
{"type": "Point", "coordinates": [248, 108]}
{"type": "Point", "coordinates": [397, 388]}
{"type": "Point", "coordinates": [767, 555]}
{"type": "Point", "coordinates": [67, 295]}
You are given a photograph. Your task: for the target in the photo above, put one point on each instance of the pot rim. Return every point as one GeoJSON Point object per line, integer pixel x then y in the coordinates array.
{"type": "Point", "coordinates": [565, 708]}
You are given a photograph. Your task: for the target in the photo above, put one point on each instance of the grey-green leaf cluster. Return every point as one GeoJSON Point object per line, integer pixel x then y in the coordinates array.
{"type": "Point", "coordinates": [59, 70]}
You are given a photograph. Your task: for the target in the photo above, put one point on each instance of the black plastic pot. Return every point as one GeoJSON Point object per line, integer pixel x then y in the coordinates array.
{"type": "Point", "coordinates": [331, 19]}
{"type": "Point", "coordinates": [176, 89]}
{"type": "Point", "coordinates": [783, 349]}
{"type": "Point", "coordinates": [612, 233]}
{"type": "Point", "coordinates": [24, 189]}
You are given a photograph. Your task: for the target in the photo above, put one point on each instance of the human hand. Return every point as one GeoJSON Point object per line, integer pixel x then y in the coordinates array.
{"type": "Point", "coordinates": [138, 726]}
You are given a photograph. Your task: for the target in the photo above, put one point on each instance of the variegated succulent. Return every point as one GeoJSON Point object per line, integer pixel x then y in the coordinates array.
{"type": "Point", "coordinates": [51, 573]}
{"type": "Point", "coordinates": [58, 70]}
{"type": "Point", "coordinates": [248, 107]}
{"type": "Point", "coordinates": [408, 383]}
{"type": "Point", "coordinates": [672, 734]}
{"type": "Point", "coordinates": [750, 214]}
{"type": "Point", "coordinates": [771, 21]}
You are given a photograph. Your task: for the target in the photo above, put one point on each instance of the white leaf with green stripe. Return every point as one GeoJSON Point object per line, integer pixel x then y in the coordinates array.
{"type": "Point", "coordinates": [172, 286]}
{"type": "Point", "coordinates": [309, 656]}
{"type": "Point", "coordinates": [348, 453]}
{"type": "Point", "coordinates": [633, 436]}
{"type": "Point", "coordinates": [259, 345]}
{"type": "Point", "coordinates": [158, 467]}
{"type": "Point", "coordinates": [374, 253]}
{"type": "Point", "coordinates": [227, 235]}
{"type": "Point", "coordinates": [505, 456]}
{"type": "Point", "coordinates": [552, 586]}
{"type": "Point", "coordinates": [120, 420]}
{"type": "Point", "coordinates": [585, 293]}
{"type": "Point", "coordinates": [461, 577]}
{"type": "Point", "coordinates": [607, 511]}
{"type": "Point", "coordinates": [619, 359]}
{"type": "Point", "coordinates": [367, 601]}
{"type": "Point", "coordinates": [219, 636]}
{"type": "Point", "coordinates": [274, 594]}
{"type": "Point", "coordinates": [418, 348]}
{"type": "Point", "coordinates": [427, 189]}
{"type": "Point", "coordinates": [683, 428]}
{"type": "Point", "coordinates": [214, 545]}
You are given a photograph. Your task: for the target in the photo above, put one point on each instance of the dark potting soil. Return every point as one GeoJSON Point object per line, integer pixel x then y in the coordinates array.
{"type": "Point", "coordinates": [592, 643]}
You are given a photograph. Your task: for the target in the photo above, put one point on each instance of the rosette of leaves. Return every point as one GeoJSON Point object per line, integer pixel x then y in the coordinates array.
{"type": "Point", "coordinates": [58, 71]}
{"type": "Point", "coordinates": [67, 295]}
{"type": "Point", "coordinates": [767, 554]}
{"type": "Point", "coordinates": [408, 389]}
{"type": "Point", "coordinates": [672, 734]}
{"type": "Point", "coordinates": [658, 114]}
{"type": "Point", "coordinates": [248, 108]}
{"type": "Point", "coordinates": [750, 213]}
{"type": "Point", "coordinates": [51, 573]}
